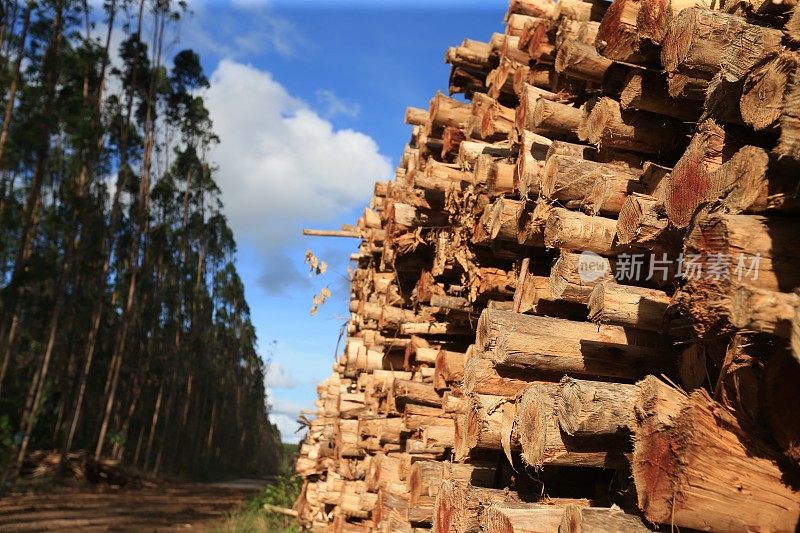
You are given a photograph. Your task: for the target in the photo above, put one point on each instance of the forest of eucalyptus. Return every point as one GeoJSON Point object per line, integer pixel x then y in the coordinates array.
{"type": "Point", "coordinates": [124, 329]}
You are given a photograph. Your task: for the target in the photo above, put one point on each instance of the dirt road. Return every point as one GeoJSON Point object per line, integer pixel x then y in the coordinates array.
{"type": "Point", "coordinates": [186, 507]}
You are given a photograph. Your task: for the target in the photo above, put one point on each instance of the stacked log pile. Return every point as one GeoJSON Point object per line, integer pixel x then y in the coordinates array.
{"type": "Point", "coordinates": [573, 307]}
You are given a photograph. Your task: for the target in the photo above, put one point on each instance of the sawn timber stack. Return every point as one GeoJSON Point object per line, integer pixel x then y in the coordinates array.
{"type": "Point", "coordinates": [573, 307]}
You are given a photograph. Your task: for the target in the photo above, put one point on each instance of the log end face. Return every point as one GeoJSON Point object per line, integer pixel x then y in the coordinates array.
{"type": "Point", "coordinates": [568, 406]}
{"type": "Point", "coordinates": [688, 187]}
{"type": "Point", "coordinates": [654, 465]}
{"type": "Point", "coordinates": [531, 424]}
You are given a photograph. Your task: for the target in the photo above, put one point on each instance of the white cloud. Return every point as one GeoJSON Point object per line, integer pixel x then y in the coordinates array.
{"type": "Point", "coordinates": [288, 427]}
{"type": "Point", "coordinates": [334, 106]}
{"type": "Point", "coordinates": [284, 414]}
{"type": "Point", "coordinates": [278, 377]}
{"type": "Point", "coordinates": [280, 163]}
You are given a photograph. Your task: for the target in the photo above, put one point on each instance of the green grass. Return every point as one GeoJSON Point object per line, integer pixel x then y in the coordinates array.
{"type": "Point", "coordinates": [282, 493]}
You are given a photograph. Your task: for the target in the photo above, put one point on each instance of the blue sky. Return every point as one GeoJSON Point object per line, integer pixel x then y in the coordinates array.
{"type": "Point", "coordinates": [308, 99]}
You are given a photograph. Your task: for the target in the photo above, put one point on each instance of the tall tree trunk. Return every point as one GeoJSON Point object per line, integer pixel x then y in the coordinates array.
{"type": "Point", "coordinates": [12, 89]}
{"type": "Point", "coordinates": [128, 316]}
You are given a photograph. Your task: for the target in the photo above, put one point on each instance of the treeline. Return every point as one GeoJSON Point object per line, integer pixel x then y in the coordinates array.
{"type": "Point", "coordinates": [124, 329]}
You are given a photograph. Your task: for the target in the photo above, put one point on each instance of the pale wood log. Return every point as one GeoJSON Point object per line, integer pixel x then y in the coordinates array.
{"type": "Point", "coordinates": [647, 91]}
{"type": "Point", "coordinates": [533, 152]}
{"type": "Point", "coordinates": [765, 87]}
{"type": "Point", "coordinates": [606, 123]}
{"type": "Point", "coordinates": [572, 230]}
{"type": "Point", "coordinates": [515, 23]}
{"type": "Point", "coordinates": [458, 506]}
{"type": "Point", "coordinates": [450, 302]}
{"type": "Point", "coordinates": [481, 376]}
{"type": "Point", "coordinates": [383, 469]}
{"type": "Point", "coordinates": [618, 38]}
{"type": "Point", "coordinates": [699, 42]}
{"type": "Point", "coordinates": [581, 61]}
{"type": "Point", "coordinates": [536, 40]}
{"type": "Point", "coordinates": [453, 403]}
{"type": "Point", "coordinates": [741, 489]}
{"type": "Point", "coordinates": [534, 298]}
{"type": "Point", "coordinates": [763, 311]}
{"type": "Point", "coordinates": [553, 354]}
{"type": "Point", "coordinates": [755, 251]}
{"type": "Point", "coordinates": [445, 111]}
{"type": "Point", "coordinates": [416, 116]}
{"type": "Point", "coordinates": [533, 8]}
{"type": "Point", "coordinates": [549, 116]}
{"type": "Point", "coordinates": [522, 518]}
{"type": "Point", "coordinates": [505, 219]}
{"type": "Point", "coordinates": [433, 328]}
{"type": "Point", "coordinates": [351, 234]}
{"type": "Point", "coordinates": [469, 151]}
{"type": "Point", "coordinates": [654, 18]}
{"type": "Point", "coordinates": [689, 182]}
{"type": "Point", "coordinates": [571, 179]}
{"type": "Point", "coordinates": [573, 277]}
{"type": "Point", "coordinates": [439, 435]}
{"type": "Point", "coordinates": [589, 408]}
{"type": "Point", "coordinates": [577, 519]}
{"type": "Point", "coordinates": [625, 305]}
{"type": "Point", "coordinates": [642, 221]}
{"type": "Point", "coordinates": [347, 439]}
{"type": "Point", "coordinates": [471, 54]}
{"type": "Point", "coordinates": [790, 118]}
{"type": "Point", "coordinates": [532, 223]}
{"type": "Point", "coordinates": [494, 324]}
{"type": "Point", "coordinates": [497, 176]}
{"type": "Point", "coordinates": [406, 391]}
{"type": "Point", "coordinates": [449, 368]}
{"type": "Point", "coordinates": [542, 441]}
{"type": "Point", "coordinates": [483, 426]}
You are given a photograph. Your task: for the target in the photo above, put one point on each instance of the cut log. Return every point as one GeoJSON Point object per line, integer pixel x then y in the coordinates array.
{"type": "Point", "coordinates": [416, 116]}
{"type": "Point", "coordinates": [483, 425]}
{"type": "Point", "coordinates": [625, 305]}
{"type": "Point", "coordinates": [533, 150]}
{"type": "Point", "coordinates": [573, 276]}
{"type": "Point", "coordinates": [647, 91]}
{"type": "Point", "coordinates": [575, 231]}
{"type": "Point", "coordinates": [522, 518]}
{"type": "Point", "coordinates": [406, 391]}
{"type": "Point", "coordinates": [763, 92]}
{"type": "Point", "coordinates": [642, 222]}
{"type": "Point", "coordinates": [554, 355]}
{"type": "Point", "coordinates": [542, 441]}
{"type": "Point", "coordinates": [494, 324]}
{"type": "Point", "coordinates": [459, 506]}
{"type": "Point", "coordinates": [482, 377]}
{"type": "Point", "coordinates": [449, 368]}
{"type": "Point", "coordinates": [689, 183]}
{"type": "Point", "coordinates": [505, 219]}
{"type": "Point", "coordinates": [742, 489]}
{"type": "Point", "coordinates": [572, 180]}
{"type": "Point", "coordinates": [555, 117]}
{"type": "Point", "coordinates": [790, 118]}
{"type": "Point", "coordinates": [445, 111]}
{"type": "Point", "coordinates": [763, 311]}
{"type": "Point", "coordinates": [606, 123]}
{"type": "Point", "coordinates": [577, 519]}
{"type": "Point", "coordinates": [590, 408]}
{"type": "Point", "coordinates": [581, 61]}
{"type": "Point", "coordinates": [617, 37]}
